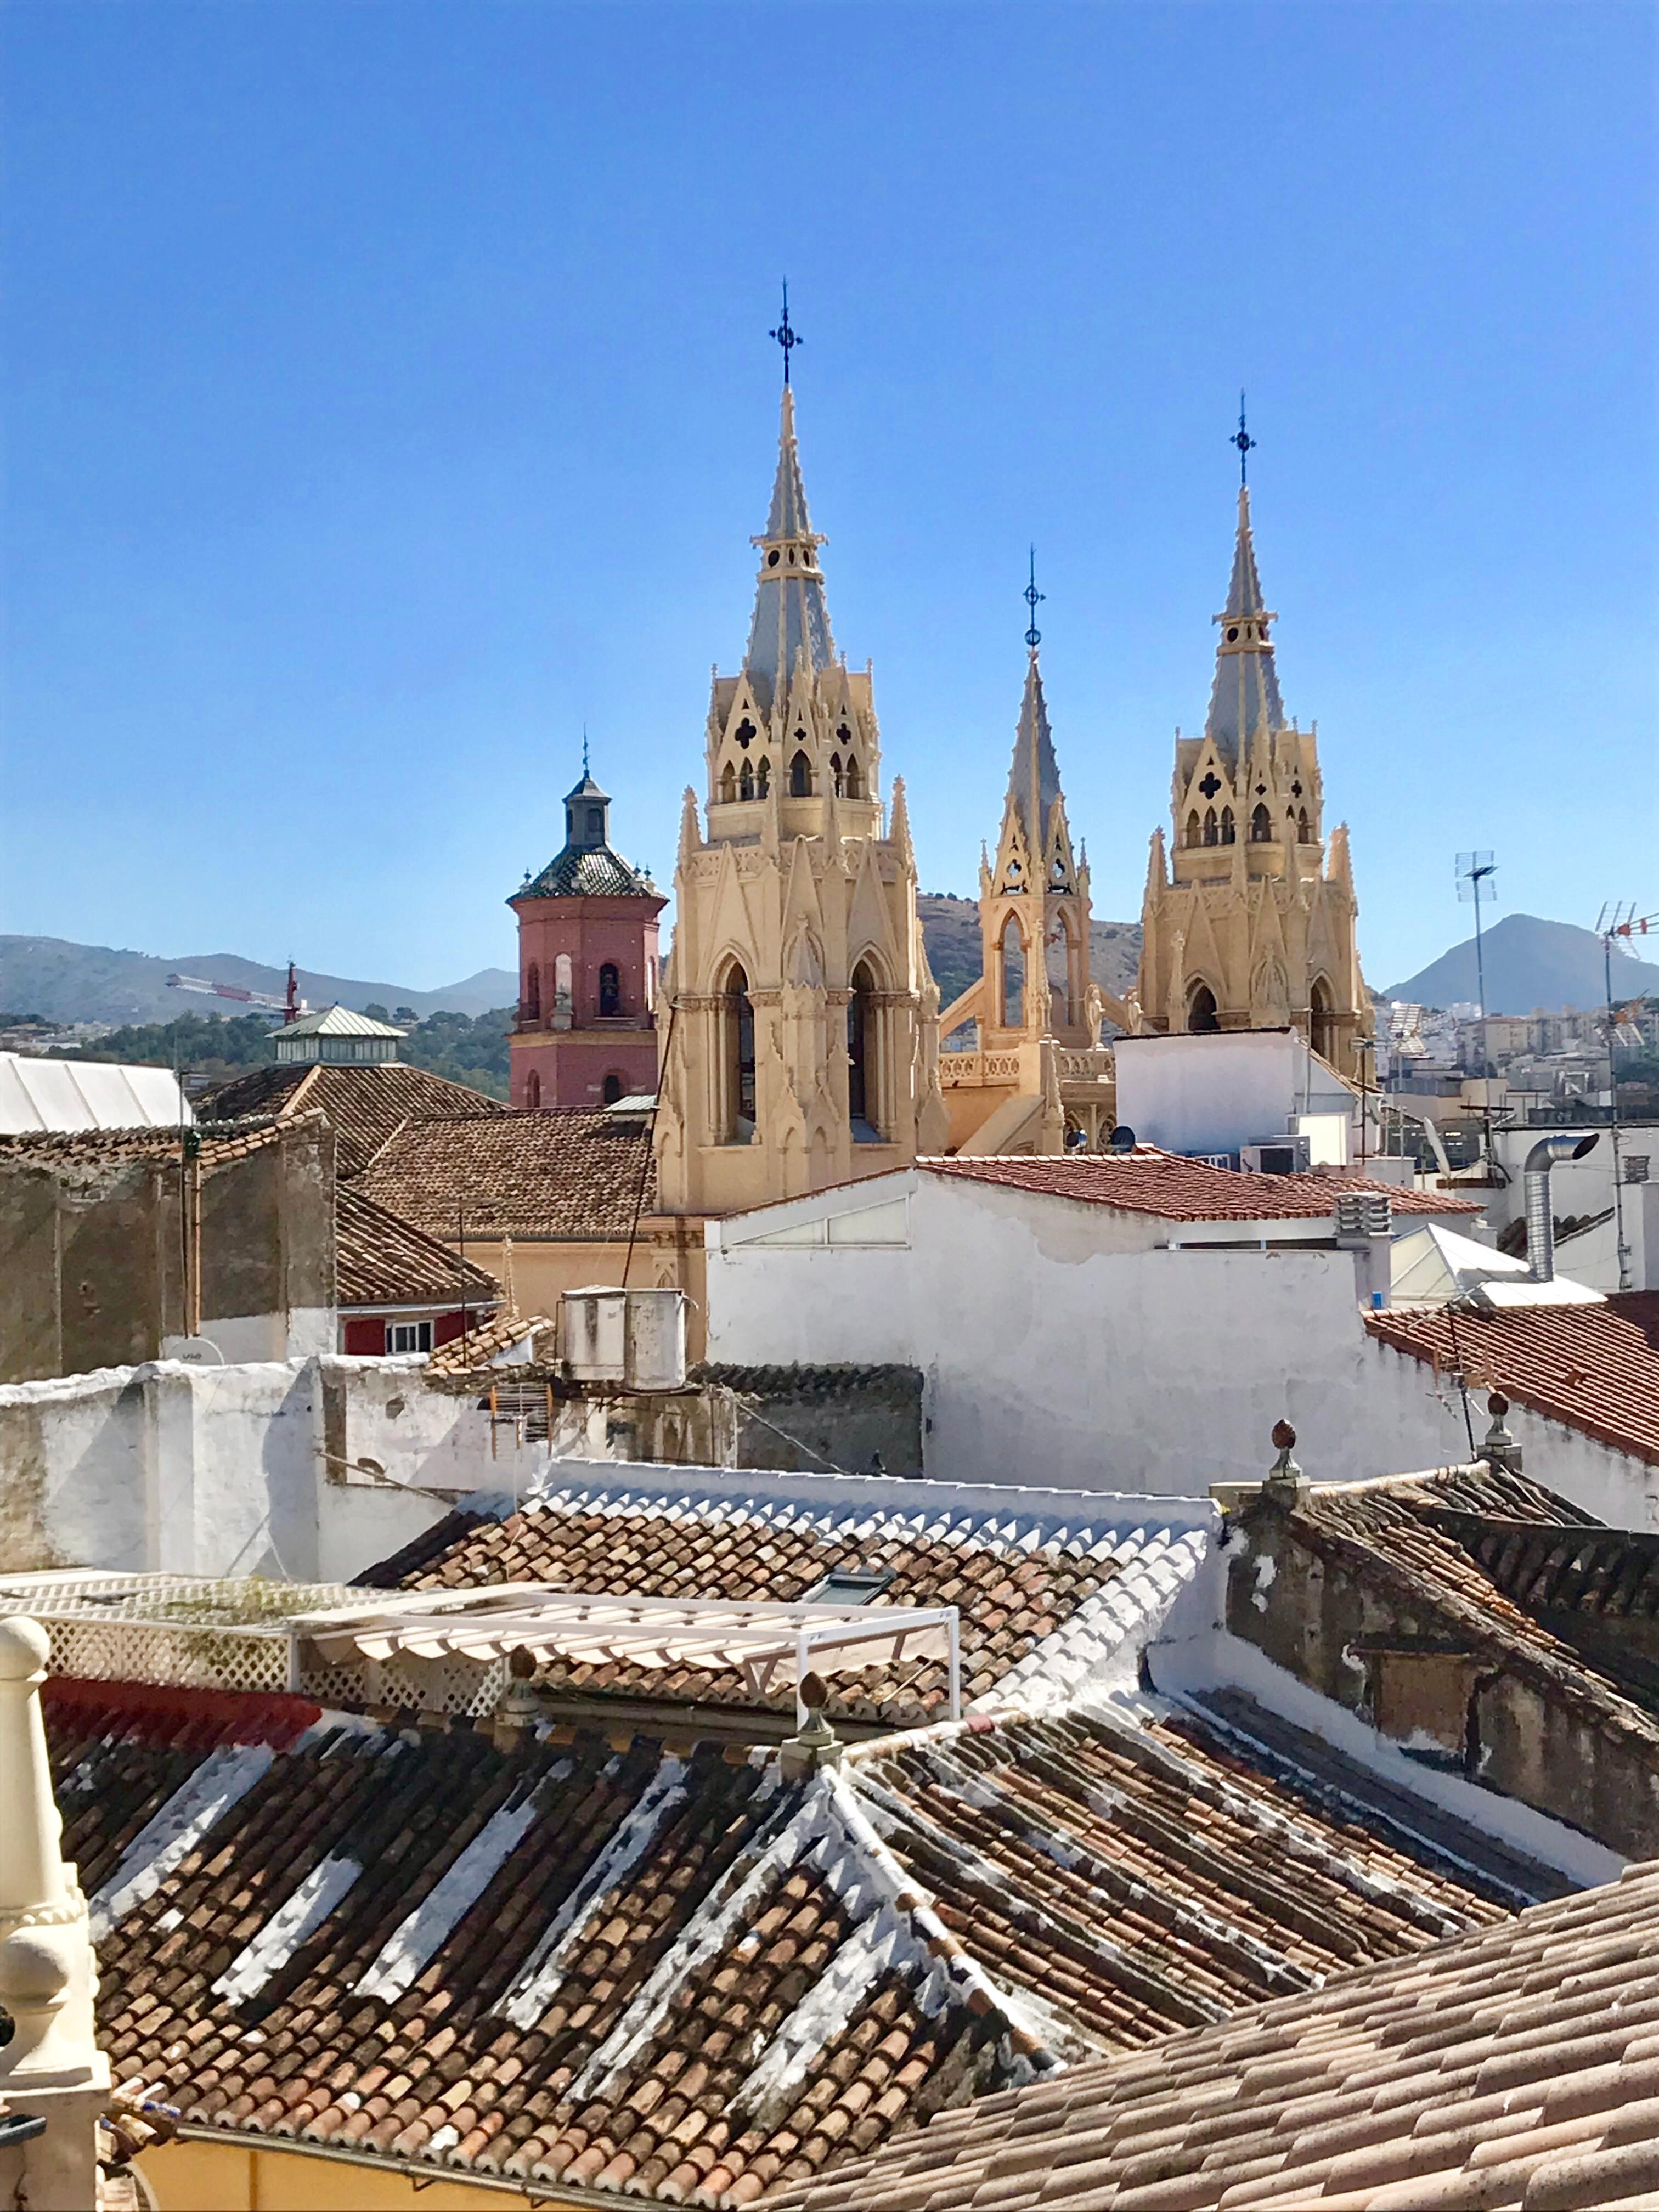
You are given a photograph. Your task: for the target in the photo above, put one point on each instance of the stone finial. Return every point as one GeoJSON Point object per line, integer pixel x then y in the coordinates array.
{"type": "Point", "coordinates": [1285, 1482]}
{"type": "Point", "coordinates": [520, 1709]}
{"type": "Point", "coordinates": [1498, 1447]}
{"type": "Point", "coordinates": [815, 1743]}
{"type": "Point", "coordinates": [47, 1980]}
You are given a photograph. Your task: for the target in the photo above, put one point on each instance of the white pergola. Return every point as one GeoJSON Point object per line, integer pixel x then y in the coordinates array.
{"type": "Point", "coordinates": [770, 1645]}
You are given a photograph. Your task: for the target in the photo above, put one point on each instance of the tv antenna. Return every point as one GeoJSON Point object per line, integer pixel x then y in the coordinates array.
{"type": "Point", "coordinates": [1475, 871]}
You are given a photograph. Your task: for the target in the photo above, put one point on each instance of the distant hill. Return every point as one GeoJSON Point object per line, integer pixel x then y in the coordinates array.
{"type": "Point", "coordinates": [1530, 963]}
{"type": "Point", "coordinates": [949, 927]}
{"type": "Point", "coordinates": [68, 982]}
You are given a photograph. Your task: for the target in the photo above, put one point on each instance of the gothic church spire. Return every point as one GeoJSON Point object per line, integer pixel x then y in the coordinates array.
{"type": "Point", "coordinates": [792, 616]}
{"type": "Point", "coordinates": [1244, 698]}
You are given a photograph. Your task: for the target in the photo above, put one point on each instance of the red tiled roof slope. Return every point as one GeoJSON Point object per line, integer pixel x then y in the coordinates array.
{"type": "Point", "coordinates": [364, 1105]}
{"type": "Point", "coordinates": [630, 1541]}
{"type": "Point", "coordinates": [597, 1961]}
{"type": "Point", "coordinates": [1518, 2066]}
{"type": "Point", "coordinates": [383, 1260]}
{"type": "Point", "coordinates": [1594, 1368]}
{"type": "Point", "coordinates": [1149, 1181]}
{"type": "Point", "coordinates": [562, 1174]}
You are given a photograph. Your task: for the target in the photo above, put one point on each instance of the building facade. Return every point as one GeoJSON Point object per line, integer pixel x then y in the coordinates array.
{"type": "Point", "coordinates": [1249, 915]}
{"type": "Point", "coordinates": [801, 1041]}
{"type": "Point", "coordinates": [585, 1033]}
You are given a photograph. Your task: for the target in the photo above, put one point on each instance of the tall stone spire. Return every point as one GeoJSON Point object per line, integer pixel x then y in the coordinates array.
{"type": "Point", "coordinates": [1034, 777]}
{"type": "Point", "coordinates": [792, 616]}
{"type": "Point", "coordinates": [1244, 698]}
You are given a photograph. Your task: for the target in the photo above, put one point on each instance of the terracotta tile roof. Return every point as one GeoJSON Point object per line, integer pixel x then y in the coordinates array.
{"type": "Point", "coordinates": [383, 1260]}
{"type": "Point", "coordinates": [364, 1105]}
{"type": "Point", "coordinates": [1149, 1181]}
{"type": "Point", "coordinates": [72, 1148]}
{"type": "Point", "coordinates": [1593, 1368]}
{"type": "Point", "coordinates": [1403, 1533]}
{"type": "Point", "coordinates": [611, 1962]}
{"type": "Point", "coordinates": [563, 1174]}
{"type": "Point", "coordinates": [467, 1355]}
{"type": "Point", "coordinates": [1046, 1592]}
{"type": "Point", "coordinates": [1519, 2065]}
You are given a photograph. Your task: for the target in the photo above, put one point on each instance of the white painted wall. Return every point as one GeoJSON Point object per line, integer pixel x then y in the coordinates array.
{"type": "Point", "coordinates": [1051, 1356]}
{"type": "Point", "coordinates": [1214, 1093]}
{"type": "Point", "coordinates": [254, 1467]}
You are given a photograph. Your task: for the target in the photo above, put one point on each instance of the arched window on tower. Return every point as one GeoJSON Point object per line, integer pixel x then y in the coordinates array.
{"type": "Point", "coordinates": [1010, 956]}
{"type": "Point", "coordinates": [1060, 970]}
{"type": "Point", "coordinates": [610, 1089]}
{"type": "Point", "coordinates": [737, 1018]}
{"type": "Point", "coordinates": [1212, 826]}
{"type": "Point", "coordinates": [1305, 835]}
{"type": "Point", "coordinates": [533, 1091]}
{"type": "Point", "coordinates": [1321, 1019]}
{"type": "Point", "coordinates": [762, 777]}
{"type": "Point", "coordinates": [801, 777]}
{"type": "Point", "coordinates": [746, 782]}
{"type": "Point", "coordinates": [1261, 826]}
{"type": "Point", "coordinates": [562, 977]}
{"type": "Point", "coordinates": [532, 994]}
{"type": "Point", "coordinates": [1201, 1016]}
{"type": "Point", "coordinates": [855, 782]}
{"type": "Point", "coordinates": [837, 781]}
{"type": "Point", "coordinates": [610, 988]}
{"type": "Point", "coordinates": [1229, 829]}
{"type": "Point", "coordinates": [728, 785]}
{"type": "Point", "coordinates": [863, 1033]}
{"type": "Point", "coordinates": [1192, 828]}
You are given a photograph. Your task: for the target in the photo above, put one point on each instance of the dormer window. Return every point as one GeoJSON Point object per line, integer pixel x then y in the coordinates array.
{"type": "Point", "coordinates": [595, 822]}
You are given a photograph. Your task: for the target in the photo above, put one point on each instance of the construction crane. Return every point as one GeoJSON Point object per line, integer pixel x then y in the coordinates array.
{"type": "Point", "coordinates": [263, 1002]}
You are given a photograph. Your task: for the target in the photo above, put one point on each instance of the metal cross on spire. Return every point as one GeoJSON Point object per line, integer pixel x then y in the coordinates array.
{"type": "Point", "coordinates": [1033, 598]}
{"type": "Point", "coordinates": [785, 334]}
{"type": "Point", "coordinates": [1244, 440]}
{"type": "Point", "coordinates": [584, 769]}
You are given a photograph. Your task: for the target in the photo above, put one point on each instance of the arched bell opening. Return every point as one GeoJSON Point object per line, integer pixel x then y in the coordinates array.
{"type": "Point", "coordinates": [1010, 964]}
{"type": "Point", "coordinates": [1321, 1019]}
{"type": "Point", "coordinates": [1202, 1014]}
{"type": "Point", "coordinates": [864, 1058]}
{"type": "Point", "coordinates": [737, 1058]}
{"type": "Point", "coordinates": [610, 1000]}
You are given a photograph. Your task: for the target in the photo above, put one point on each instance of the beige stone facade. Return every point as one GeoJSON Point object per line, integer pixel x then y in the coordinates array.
{"type": "Point", "coordinates": [1039, 1077]}
{"type": "Point", "coordinates": [799, 1039]}
{"type": "Point", "coordinates": [1249, 915]}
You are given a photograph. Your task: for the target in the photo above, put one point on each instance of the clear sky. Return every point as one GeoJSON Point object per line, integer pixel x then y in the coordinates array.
{"type": "Point", "coordinates": [388, 391]}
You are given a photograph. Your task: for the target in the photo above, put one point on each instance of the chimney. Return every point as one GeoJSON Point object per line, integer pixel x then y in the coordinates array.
{"type": "Point", "coordinates": [1364, 1226]}
{"type": "Point", "coordinates": [1541, 1219]}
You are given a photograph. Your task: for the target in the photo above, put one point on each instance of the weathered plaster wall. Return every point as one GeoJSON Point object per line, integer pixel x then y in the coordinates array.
{"type": "Point", "coordinates": [94, 1251]}
{"type": "Point", "coordinates": [1518, 1734]}
{"type": "Point", "coordinates": [1059, 1345]}
{"type": "Point", "coordinates": [236, 1470]}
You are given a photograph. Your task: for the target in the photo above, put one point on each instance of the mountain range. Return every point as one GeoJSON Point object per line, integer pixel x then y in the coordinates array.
{"type": "Point", "coordinates": [1530, 963]}
{"type": "Point", "coordinates": [67, 982]}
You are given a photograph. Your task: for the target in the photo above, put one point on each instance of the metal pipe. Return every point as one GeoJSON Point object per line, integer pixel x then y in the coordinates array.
{"type": "Point", "coordinates": [1541, 1220]}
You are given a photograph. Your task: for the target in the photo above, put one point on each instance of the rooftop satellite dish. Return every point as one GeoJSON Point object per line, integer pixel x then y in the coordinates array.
{"type": "Point", "coordinates": [1122, 1138]}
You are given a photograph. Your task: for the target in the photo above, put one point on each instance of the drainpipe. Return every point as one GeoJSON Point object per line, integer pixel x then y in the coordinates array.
{"type": "Point", "coordinates": [1540, 1221]}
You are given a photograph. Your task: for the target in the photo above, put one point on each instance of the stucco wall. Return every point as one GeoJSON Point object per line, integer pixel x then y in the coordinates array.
{"type": "Point", "coordinates": [238, 1470]}
{"type": "Point", "coordinates": [1055, 1350]}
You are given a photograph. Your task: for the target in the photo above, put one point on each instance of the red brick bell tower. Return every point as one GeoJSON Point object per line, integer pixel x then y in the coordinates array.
{"type": "Point", "coordinates": [588, 969]}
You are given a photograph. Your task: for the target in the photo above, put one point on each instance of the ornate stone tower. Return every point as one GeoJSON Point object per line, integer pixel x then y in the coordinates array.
{"type": "Point", "coordinates": [1033, 904]}
{"type": "Point", "coordinates": [801, 1042]}
{"type": "Point", "coordinates": [1249, 922]}
{"type": "Point", "coordinates": [588, 967]}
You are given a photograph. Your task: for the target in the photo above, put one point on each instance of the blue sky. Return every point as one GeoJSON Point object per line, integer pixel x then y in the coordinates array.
{"type": "Point", "coordinates": [388, 391]}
